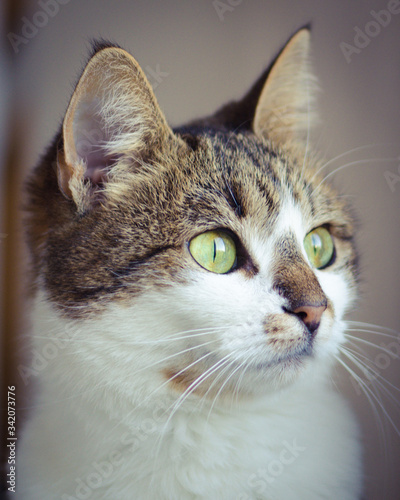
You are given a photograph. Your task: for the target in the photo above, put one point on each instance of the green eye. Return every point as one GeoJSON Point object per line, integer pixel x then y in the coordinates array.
{"type": "Point", "coordinates": [319, 247]}
{"type": "Point", "coordinates": [214, 250]}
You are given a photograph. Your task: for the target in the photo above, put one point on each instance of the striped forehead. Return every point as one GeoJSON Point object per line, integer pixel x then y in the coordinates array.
{"type": "Point", "coordinates": [255, 168]}
{"type": "Point", "coordinates": [269, 189]}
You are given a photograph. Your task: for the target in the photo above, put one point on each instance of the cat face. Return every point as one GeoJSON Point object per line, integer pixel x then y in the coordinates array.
{"type": "Point", "coordinates": [210, 260]}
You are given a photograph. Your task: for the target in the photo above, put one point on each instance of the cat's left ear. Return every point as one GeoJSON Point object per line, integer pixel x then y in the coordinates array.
{"type": "Point", "coordinates": [279, 106]}
{"type": "Point", "coordinates": [284, 110]}
{"type": "Point", "coordinates": [113, 113]}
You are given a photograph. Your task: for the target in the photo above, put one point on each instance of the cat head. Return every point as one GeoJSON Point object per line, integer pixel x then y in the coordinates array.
{"type": "Point", "coordinates": [210, 259]}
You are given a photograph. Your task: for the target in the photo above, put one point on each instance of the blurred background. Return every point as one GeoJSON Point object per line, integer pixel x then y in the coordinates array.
{"type": "Point", "coordinates": [198, 55]}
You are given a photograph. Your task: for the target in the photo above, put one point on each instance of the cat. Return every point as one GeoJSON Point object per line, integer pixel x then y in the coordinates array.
{"type": "Point", "coordinates": [192, 283]}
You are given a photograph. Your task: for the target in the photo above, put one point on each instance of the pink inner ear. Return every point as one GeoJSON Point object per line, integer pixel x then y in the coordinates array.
{"type": "Point", "coordinates": [97, 175]}
{"type": "Point", "coordinates": [91, 138]}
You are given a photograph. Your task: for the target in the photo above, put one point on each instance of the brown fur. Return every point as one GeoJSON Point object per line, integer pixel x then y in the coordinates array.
{"type": "Point", "coordinates": [95, 241]}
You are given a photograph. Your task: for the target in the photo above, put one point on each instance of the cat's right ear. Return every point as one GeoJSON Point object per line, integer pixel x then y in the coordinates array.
{"type": "Point", "coordinates": [113, 114]}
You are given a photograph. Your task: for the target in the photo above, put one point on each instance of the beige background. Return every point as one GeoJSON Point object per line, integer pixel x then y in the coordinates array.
{"type": "Point", "coordinates": [207, 61]}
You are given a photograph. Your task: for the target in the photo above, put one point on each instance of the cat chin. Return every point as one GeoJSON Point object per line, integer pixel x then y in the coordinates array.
{"type": "Point", "coordinates": [308, 368]}
{"type": "Point", "coordinates": [285, 374]}
{"type": "Point", "coordinates": [243, 383]}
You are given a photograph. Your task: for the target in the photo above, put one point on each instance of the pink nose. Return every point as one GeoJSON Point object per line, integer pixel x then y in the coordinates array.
{"type": "Point", "coordinates": [310, 315]}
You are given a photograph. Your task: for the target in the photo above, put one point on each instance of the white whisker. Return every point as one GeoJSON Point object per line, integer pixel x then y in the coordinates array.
{"type": "Point", "coordinates": [357, 162]}
{"type": "Point", "coordinates": [332, 160]}
{"type": "Point", "coordinates": [222, 387]}
{"type": "Point", "coordinates": [371, 393]}
{"type": "Point", "coordinates": [88, 391]}
{"type": "Point", "coordinates": [367, 342]}
{"type": "Point", "coordinates": [188, 391]}
{"type": "Point", "coordinates": [367, 392]}
{"type": "Point", "coordinates": [176, 336]}
{"type": "Point", "coordinates": [364, 367]}
{"type": "Point", "coordinates": [372, 326]}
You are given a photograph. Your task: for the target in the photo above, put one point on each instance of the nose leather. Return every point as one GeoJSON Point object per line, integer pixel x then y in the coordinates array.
{"type": "Point", "coordinates": [310, 315]}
